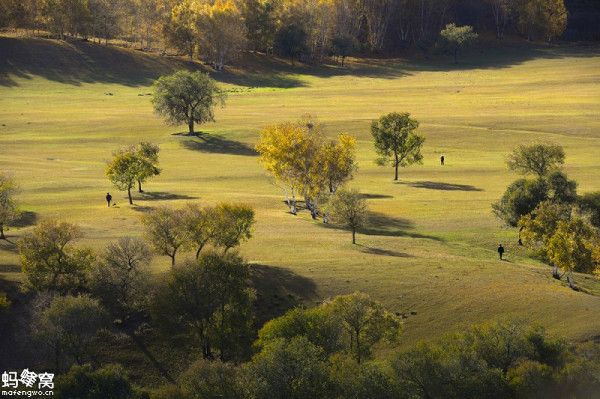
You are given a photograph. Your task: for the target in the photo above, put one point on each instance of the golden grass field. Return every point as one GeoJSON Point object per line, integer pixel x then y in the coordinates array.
{"type": "Point", "coordinates": [430, 247]}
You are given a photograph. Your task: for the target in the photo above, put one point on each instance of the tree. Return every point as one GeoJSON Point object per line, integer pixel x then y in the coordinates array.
{"type": "Point", "coordinates": [233, 225]}
{"type": "Point", "coordinates": [67, 16]}
{"type": "Point", "coordinates": [536, 228]}
{"type": "Point", "coordinates": [187, 97]}
{"type": "Point", "coordinates": [69, 327]}
{"type": "Point", "coordinates": [212, 380]}
{"type": "Point", "coordinates": [106, 18]}
{"type": "Point", "coordinates": [561, 188]}
{"type": "Point", "coordinates": [458, 37]}
{"type": "Point", "coordinates": [289, 369]}
{"type": "Point", "coordinates": [221, 32]}
{"type": "Point", "coordinates": [501, 10]}
{"type": "Point", "coordinates": [164, 228]}
{"type": "Point", "coordinates": [545, 19]}
{"type": "Point", "coordinates": [48, 260]}
{"type": "Point", "coordinates": [209, 300]}
{"type": "Point", "coordinates": [83, 382]}
{"type": "Point", "coordinates": [520, 198]}
{"type": "Point", "coordinates": [148, 153]}
{"type": "Point", "coordinates": [125, 169]}
{"type": "Point", "coordinates": [290, 41]}
{"type": "Point", "coordinates": [180, 30]}
{"type": "Point", "coordinates": [362, 381]}
{"type": "Point", "coordinates": [8, 206]}
{"type": "Point", "coordinates": [538, 159]}
{"type": "Point", "coordinates": [342, 45]}
{"type": "Point", "coordinates": [396, 142]}
{"type": "Point", "coordinates": [365, 322]}
{"type": "Point", "coordinates": [348, 207]}
{"type": "Point", "coordinates": [574, 246]}
{"type": "Point", "coordinates": [589, 203]}
{"type": "Point", "coordinates": [260, 23]}
{"type": "Point", "coordinates": [200, 225]}
{"type": "Point", "coordinates": [339, 161]}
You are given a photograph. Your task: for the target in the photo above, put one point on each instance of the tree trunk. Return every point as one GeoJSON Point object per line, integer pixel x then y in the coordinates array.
{"type": "Point", "coordinates": [140, 186]}
{"type": "Point", "coordinates": [198, 251]}
{"type": "Point", "coordinates": [172, 259]}
{"type": "Point", "coordinates": [2, 236]}
{"type": "Point", "coordinates": [396, 172]}
{"type": "Point", "coordinates": [191, 126]}
{"type": "Point", "coordinates": [353, 236]}
{"type": "Point", "coordinates": [129, 195]}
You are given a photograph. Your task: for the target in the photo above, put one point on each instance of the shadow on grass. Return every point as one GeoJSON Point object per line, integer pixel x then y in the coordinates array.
{"type": "Point", "coordinates": [380, 224]}
{"type": "Point", "coordinates": [9, 268]}
{"type": "Point", "coordinates": [25, 219]}
{"type": "Point", "coordinates": [278, 290]}
{"type": "Point", "coordinates": [162, 196]}
{"type": "Point", "coordinates": [8, 245]}
{"type": "Point", "coordinates": [141, 208]}
{"type": "Point", "coordinates": [216, 145]}
{"type": "Point", "coordinates": [433, 185]}
{"type": "Point", "coordinates": [375, 196]}
{"type": "Point", "coordinates": [383, 252]}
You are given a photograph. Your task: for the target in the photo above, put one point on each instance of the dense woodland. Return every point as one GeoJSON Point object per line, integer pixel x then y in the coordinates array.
{"type": "Point", "coordinates": [309, 30]}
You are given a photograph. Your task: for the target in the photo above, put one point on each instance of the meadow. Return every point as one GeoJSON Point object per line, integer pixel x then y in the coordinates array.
{"type": "Point", "coordinates": [429, 250]}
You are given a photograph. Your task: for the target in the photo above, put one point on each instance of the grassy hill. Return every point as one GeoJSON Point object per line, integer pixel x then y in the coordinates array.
{"type": "Point", "coordinates": [429, 250]}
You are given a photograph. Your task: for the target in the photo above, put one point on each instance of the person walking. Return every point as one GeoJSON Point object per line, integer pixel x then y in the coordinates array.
{"type": "Point", "coordinates": [500, 251]}
{"type": "Point", "coordinates": [108, 198]}
{"type": "Point", "coordinates": [442, 159]}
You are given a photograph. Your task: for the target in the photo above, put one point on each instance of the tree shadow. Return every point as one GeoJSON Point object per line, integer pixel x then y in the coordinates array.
{"type": "Point", "coordinates": [278, 290]}
{"type": "Point", "coordinates": [8, 245]}
{"type": "Point", "coordinates": [162, 196]}
{"type": "Point", "coordinates": [384, 252]}
{"type": "Point", "coordinates": [375, 196]}
{"type": "Point", "coordinates": [9, 268]}
{"type": "Point", "coordinates": [216, 145]}
{"type": "Point", "coordinates": [432, 185]}
{"type": "Point", "coordinates": [141, 208]}
{"type": "Point", "coordinates": [25, 219]}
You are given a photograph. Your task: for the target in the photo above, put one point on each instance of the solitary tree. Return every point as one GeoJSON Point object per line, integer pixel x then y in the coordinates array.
{"type": "Point", "coordinates": [458, 37]}
{"type": "Point", "coordinates": [188, 97]}
{"type": "Point", "coordinates": [347, 207]}
{"type": "Point", "coordinates": [396, 141]}
{"type": "Point", "coordinates": [165, 230]}
{"type": "Point", "coordinates": [8, 205]}
{"type": "Point", "coordinates": [538, 159]}
{"type": "Point", "coordinates": [48, 260]}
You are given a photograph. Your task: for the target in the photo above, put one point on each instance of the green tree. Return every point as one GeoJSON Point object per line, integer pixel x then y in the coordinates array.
{"type": "Point", "coordinates": [260, 21]}
{"type": "Point", "coordinates": [8, 205]}
{"type": "Point", "coordinates": [69, 327]}
{"type": "Point", "coordinates": [148, 153]}
{"type": "Point", "coordinates": [232, 225]}
{"type": "Point", "coordinates": [125, 169]}
{"type": "Point", "coordinates": [396, 141]}
{"type": "Point", "coordinates": [210, 301]}
{"type": "Point", "coordinates": [520, 198]}
{"type": "Point", "coordinates": [67, 16]}
{"type": "Point", "coordinates": [212, 380]}
{"type": "Point", "coordinates": [188, 97]}
{"type": "Point", "coordinates": [538, 226]}
{"type": "Point", "coordinates": [538, 159]}
{"type": "Point", "coordinates": [364, 321]}
{"type": "Point", "coordinates": [349, 208]}
{"type": "Point", "coordinates": [48, 260]}
{"type": "Point", "coordinates": [589, 203]}
{"type": "Point", "coordinates": [83, 382]}
{"type": "Point", "coordinates": [562, 189]}
{"type": "Point", "coordinates": [164, 229]}
{"type": "Point", "coordinates": [200, 226]}
{"type": "Point", "coordinates": [458, 37]}
{"type": "Point", "coordinates": [293, 369]}
{"type": "Point", "coordinates": [290, 41]}
{"type": "Point", "coordinates": [367, 380]}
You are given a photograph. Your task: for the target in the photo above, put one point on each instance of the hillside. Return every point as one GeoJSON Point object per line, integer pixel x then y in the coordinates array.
{"type": "Point", "coordinates": [429, 249]}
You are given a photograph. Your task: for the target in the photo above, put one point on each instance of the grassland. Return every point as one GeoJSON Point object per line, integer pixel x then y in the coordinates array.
{"type": "Point", "coordinates": [430, 246]}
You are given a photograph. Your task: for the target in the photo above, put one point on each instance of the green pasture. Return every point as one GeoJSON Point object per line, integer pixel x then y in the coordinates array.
{"type": "Point", "coordinates": [430, 247]}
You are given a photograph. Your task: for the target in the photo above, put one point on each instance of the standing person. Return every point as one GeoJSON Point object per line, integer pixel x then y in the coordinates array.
{"type": "Point", "coordinates": [108, 198]}
{"type": "Point", "coordinates": [442, 159]}
{"type": "Point", "coordinates": [500, 251]}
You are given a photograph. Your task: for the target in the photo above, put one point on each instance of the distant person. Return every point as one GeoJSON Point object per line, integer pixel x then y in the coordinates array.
{"type": "Point", "coordinates": [442, 159]}
{"type": "Point", "coordinates": [500, 251]}
{"type": "Point", "coordinates": [108, 198]}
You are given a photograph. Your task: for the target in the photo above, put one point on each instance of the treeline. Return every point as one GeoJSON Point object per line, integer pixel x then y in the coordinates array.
{"type": "Point", "coordinates": [218, 30]}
